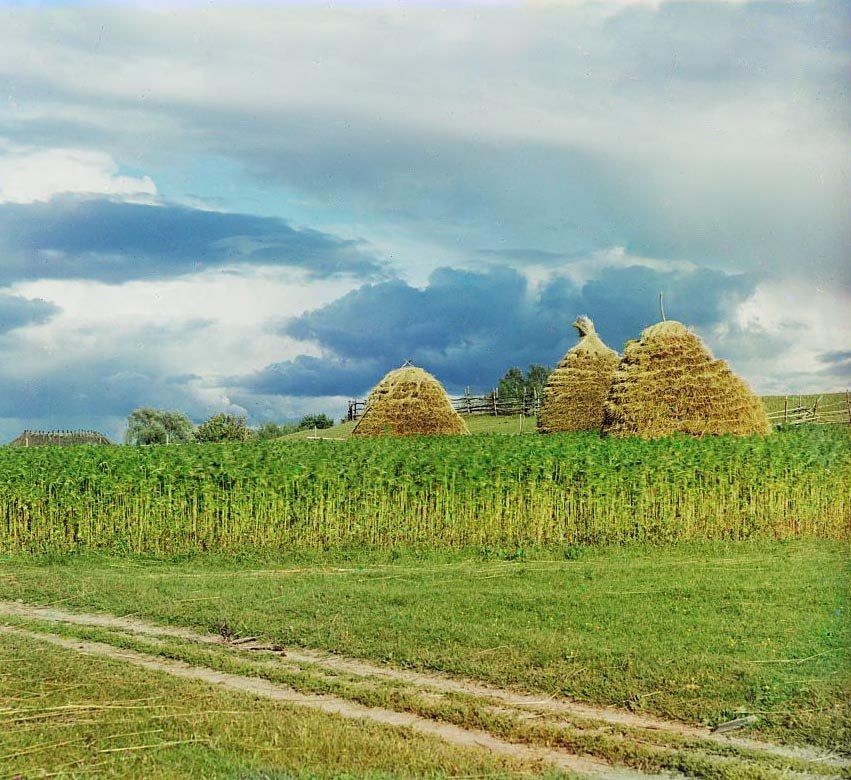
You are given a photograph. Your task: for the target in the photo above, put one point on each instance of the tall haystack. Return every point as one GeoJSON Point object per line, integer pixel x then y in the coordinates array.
{"type": "Point", "coordinates": [577, 388]}
{"type": "Point", "coordinates": [409, 402]}
{"type": "Point", "coordinates": [669, 382]}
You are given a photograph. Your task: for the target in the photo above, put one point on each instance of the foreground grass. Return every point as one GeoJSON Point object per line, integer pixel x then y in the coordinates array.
{"type": "Point", "coordinates": [82, 717]}
{"type": "Point", "coordinates": [702, 633]}
{"type": "Point", "coordinates": [645, 749]}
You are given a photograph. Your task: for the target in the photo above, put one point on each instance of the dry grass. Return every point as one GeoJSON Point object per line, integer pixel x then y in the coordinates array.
{"type": "Point", "coordinates": [409, 402]}
{"type": "Point", "coordinates": [576, 391]}
{"type": "Point", "coordinates": [668, 382]}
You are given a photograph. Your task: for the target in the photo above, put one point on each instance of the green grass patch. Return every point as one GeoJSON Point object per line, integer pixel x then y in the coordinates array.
{"type": "Point", "coordinates": [701, 632]}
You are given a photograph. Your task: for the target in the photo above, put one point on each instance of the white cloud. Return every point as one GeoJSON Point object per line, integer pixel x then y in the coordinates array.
{"type": "Point", "coordinates": [28, 175]}
{"type": "Point", "coordinates": [224, 317]}
{"type": "Point", "coordinates": [777, 336]}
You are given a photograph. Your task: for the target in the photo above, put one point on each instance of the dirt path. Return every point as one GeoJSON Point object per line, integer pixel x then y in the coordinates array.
{"type": "Point", "coordinates": [426, 681]}
{"type": "Point", "coordinates": [337, 706]}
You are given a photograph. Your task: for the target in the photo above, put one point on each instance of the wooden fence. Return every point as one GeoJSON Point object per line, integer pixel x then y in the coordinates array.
{"type": "Point", "coordinates": [837, 411]}
{"type": "Point", "coordinates": [492, 404]}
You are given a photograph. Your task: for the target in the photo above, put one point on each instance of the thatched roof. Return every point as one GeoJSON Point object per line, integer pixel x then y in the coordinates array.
{"type": "Point", "coordinates": [58, 438]}
{"type": "Point", "coordinates": [409, 402]}
{"type": "Point", "coordinates": [577, 388]}
{"type": "Point", "coordinates": [669, 382]}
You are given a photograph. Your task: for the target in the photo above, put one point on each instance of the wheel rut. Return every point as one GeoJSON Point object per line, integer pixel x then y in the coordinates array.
{"type": "Point", "coordinates": [522, 704]}
{"type": "Point", "coordinates": [334, 705]}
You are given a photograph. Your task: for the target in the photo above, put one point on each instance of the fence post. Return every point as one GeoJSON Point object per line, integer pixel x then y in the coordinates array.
{"type": "Point", "coordinates": [495, 395]}
{"type": "Point", "coordinates": [848, 405]}
{"type": "Point", "coordinates": [469, 400]}
{"type": "Point", "coordinates": [785, 409]}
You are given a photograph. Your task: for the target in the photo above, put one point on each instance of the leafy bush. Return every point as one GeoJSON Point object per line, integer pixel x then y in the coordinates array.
{"type": "Point", "coordinates": [223, 427]}
{"type": "Point", "coordinates": [158, 426]}
{"type": "Point", "coordinates": [315, 421]}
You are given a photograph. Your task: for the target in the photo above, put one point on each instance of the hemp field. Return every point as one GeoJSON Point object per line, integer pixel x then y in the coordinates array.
{"type": "Point", "coordinates": [475, 492]}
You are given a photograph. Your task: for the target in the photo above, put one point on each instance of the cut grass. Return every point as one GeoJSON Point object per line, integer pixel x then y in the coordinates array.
{"type": "Point", "coordinates": [701, 633]}
{"type": "Point", "coordinates": [79, 716]}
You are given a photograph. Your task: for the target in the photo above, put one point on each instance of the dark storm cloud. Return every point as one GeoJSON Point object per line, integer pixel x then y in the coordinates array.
{"type": "Point", "coordinates": [16, 311]}
{"type": "Point", "coordinates": [469, 327]}
{"type": "Point", "coordinates": [110, 241]}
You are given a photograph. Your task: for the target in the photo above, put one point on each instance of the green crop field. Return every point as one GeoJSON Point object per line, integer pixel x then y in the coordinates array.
{"type": "Point", "coordinates": [454, 492]}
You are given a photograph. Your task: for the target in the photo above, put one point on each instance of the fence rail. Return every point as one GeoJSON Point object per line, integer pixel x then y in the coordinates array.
{"type": "Point", "coordinates": [490, 404]}
{"type": "Point", "coordinates": [832, 414]}
{"type": "Point", "coordinates": [530, 404]}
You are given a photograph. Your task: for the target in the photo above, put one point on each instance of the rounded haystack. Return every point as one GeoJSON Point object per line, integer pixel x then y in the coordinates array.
{"type": "Point", "coordinates": [409, 402]}
{"type": "Point", "coordinates": [576, 390]}
{"type": "Point", "coordinates": [669, 382]}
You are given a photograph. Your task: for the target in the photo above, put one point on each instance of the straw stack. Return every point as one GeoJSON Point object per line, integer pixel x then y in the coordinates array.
{"type": "Point", "coordinates": [669, 382]}
{"type": "Point", "coordinates": [409, 402]}
{"type": "Point", "coordinates": [576, 390]}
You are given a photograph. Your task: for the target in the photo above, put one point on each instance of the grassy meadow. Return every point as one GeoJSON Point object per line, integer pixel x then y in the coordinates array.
{"type": "Point", "coordinates": [697, 632]}
{"type": "Point", "coordinates": [495, 492]}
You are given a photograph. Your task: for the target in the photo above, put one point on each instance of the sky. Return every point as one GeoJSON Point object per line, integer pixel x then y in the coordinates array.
{"type": "Point", "coordinates": [262, 208]}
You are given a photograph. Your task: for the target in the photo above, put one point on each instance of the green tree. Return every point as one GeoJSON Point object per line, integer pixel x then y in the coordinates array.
{"type": "Point", "coordinates": [516, 384]}
{"type": "Point", "coordinates": [158, 426]}
{"type": "Point", "coordinates": [512, 384]}
{"type": "Point", "coordinates": [536, 377]}
{"type": "Point", "coordinates": [223, 427]}
{"type": "Point", "coordinates": [315, 421]}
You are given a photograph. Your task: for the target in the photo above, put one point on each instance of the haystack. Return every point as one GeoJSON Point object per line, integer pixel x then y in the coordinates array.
{"type": "Point", "coordinates": [577, 388]}
{"type": "Point", "coordinates": [669, 382]}
{"type": "Point", "coordinates": [409, 402]}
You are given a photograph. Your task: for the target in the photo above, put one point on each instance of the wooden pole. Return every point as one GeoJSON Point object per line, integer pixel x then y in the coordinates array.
{"type": "Point", "coordinates": [786, 409]}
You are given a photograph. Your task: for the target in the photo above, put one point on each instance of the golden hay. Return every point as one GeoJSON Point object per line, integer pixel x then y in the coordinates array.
{"type": "Point", "coordinates": [409, 402]}
{"type": "Point", "coordinates": [577, 388]}
{"type": "Point", "coordinates": [669, 382]}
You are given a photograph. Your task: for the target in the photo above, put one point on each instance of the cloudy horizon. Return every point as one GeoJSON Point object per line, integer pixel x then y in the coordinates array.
{"type": "Point", "coordinates": [260, 209]}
